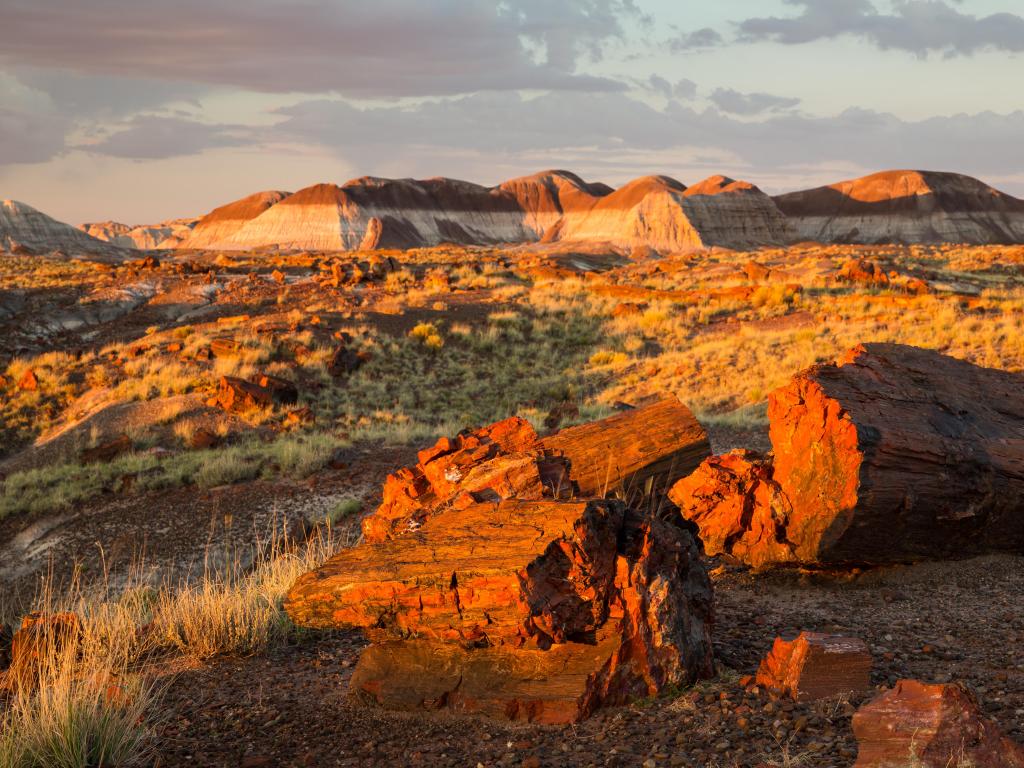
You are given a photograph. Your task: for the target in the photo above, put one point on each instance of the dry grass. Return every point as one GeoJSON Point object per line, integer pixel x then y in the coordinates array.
{"type": "Point", "coordinates": [95, 702]}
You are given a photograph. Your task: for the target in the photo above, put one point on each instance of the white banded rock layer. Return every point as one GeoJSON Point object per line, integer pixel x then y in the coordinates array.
{"type": "Point", "coordinates": [22, 226]}
{"type": "Point", "coordinates": [217, 228]}
{"type": "Point", "coordinates": [549, 206]}
{"type": "Point", "coordinates": [145, 237]}
{"type": "Point", "coordinates": [906, 207]}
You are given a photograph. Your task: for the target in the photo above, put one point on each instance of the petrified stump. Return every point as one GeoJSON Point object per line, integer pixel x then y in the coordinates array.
{"type": "Point", "coordinates": [894, 453]}
{"type": "Point", "coordinates": [633, 453]}
{"type": "Point", "coordinates": [932, 726]}
{"type": "Point", "coordinates": [816, 666]}
{"type": "Point", "coordinates": [531, 610]}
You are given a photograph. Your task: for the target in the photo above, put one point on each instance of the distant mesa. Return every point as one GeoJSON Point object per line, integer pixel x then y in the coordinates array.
{"type": "Point", "coordinates": [653, 212]}
{"type": "Point", "coordinates": [551, 206]}
{"type": "Point", "coordinates": [23, 229]}
{"type": "Point", "coordinates": [148, 237]}
{"type": "Point", "coordinates": [906, 207]}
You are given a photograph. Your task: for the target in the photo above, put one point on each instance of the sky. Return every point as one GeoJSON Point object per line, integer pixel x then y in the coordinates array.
{"type": "Point", "coordinates": [144, 110]}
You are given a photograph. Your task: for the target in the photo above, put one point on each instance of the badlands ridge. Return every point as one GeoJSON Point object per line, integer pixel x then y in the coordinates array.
{"type": "Point", "coordinates": [654, 212]}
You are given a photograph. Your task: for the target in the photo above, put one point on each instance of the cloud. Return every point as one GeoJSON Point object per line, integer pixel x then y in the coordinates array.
{"type": "Point", "coordinates": [696, 40]}
{"type": "Point", "coordinates": [736, 103]}
{"type": "Point", "coordinates": [475, 134]}
{"type": "Point", "coordinates": [29, 137]}
{"type": "Point", "coordinates": [917, 26]}
{"type": "Point", "coordinates": [388, 48]}
{"type": "Point", "coordinates": [151, 137]}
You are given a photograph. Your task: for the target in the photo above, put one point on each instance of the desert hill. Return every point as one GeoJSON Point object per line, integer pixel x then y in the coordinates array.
{"type": "Point", "coordinates": [146, 237]}
{"type": "Point", "coordinates": [222, 223]}
{"type": "Point", "coordinates": [372, 212]}
{"type": "Point", "coordinates": [906, 206]}
{"type": "Point", "coordinates": [22, 227]}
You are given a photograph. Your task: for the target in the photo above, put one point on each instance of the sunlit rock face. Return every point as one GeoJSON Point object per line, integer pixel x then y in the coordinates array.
{"type": "Point", "coordinates": [217, 228]}
{"type": "Point", "coordinates": [906, 207]}
{"type": "Point", "coordinates": [549, 206]}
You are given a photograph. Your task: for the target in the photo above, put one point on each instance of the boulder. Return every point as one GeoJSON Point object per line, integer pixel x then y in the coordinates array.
{"type": "Point", "coordinates": [816, 666]}
{"type": "Point", "coordinates": [498, 460]}
{"type": "Point", "coordinates": [932, 726]}
{"type": "Point", "coordinates": [538, 611]}
{"type": "Point", "coordinates": [510, 572]}
{"type": "Point", "coordinates": [344, 361]}
{"type": "Point", "coordinates": [236, 394]}
{"type": "Point", "coordinates": [862, 271]}
{"type": "Point", "coordinates": [638, 452]}
{"type": "Point", "coordinates": [892, 454]}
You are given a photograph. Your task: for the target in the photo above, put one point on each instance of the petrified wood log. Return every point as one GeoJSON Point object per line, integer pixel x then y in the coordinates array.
{"type": "Point", "coordinates": [894, 453]}
{"type": "Point", "coordinates": [816, 666]}
{"type": "Point", "coordinates": [932, 726]}
{"type": "Point", "coordinates": [634, 453]}
{"type": "Point", "coordinates": [539, 610]}
{"type": "Point", "coordinates": [490, 573]}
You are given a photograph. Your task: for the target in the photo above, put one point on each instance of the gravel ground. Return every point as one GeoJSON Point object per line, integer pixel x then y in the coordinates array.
{"type": "Point", "coordinates": [933, 621]}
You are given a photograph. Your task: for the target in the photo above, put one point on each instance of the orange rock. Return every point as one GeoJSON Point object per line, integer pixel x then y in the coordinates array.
{"type": "Point", "coordinates": [28, 381]}
{"type": "Point", "coordinates": [238, 395]}
{"type": "Point", "coordinates": [278, 276]}
{"type": "Point", "coordinates": [816, 666]}
{"type": "Point", "coordinates": [479, 574]}
{"type": "Point", "coordinates": [40, 637]}
{"type": "Point", "coordinates": [497, 458]}
{"type": "Point", "coordinates": [894, 453]}
{"type": "Point", "coordinates": [225, 347]}
{"type": "Point", "coordinates": [862, 271]}
{"type": "Point", "coordinates": [539, 611]}
{"type": "Point", "coordinates": [737, 507]}
{"type": "Point", "coordinates": [935, 726]}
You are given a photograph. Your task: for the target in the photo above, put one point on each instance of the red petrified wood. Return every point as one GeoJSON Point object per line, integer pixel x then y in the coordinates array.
{"type": "Point", "coordinates": [816, 666]}
{"type": "Point", "coordinates": [531, 610]}
{"type": "Point", "coordinates": [932, 726]}
{"type": "Point", "coordinates": [635, 453]}
{"type": "Point", "coordinates": [892, 454]}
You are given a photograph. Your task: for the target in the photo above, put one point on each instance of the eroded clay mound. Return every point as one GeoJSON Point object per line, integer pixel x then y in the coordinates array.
{"type": "Point", "coordinates": [906, 207]}
{"type": "Point", "coordinates": [23, 228]}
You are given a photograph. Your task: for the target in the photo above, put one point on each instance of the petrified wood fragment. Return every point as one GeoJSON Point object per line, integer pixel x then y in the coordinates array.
{"type": "Point", "coordinates": [631, 454]}
{"type": "Point", "coordinates": [932, 726]}
{"type": "Point", "coordinates": [816, 666]}
{"type": "Point", "coordinates": [894, 453]}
